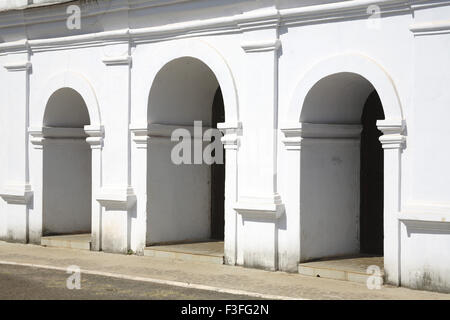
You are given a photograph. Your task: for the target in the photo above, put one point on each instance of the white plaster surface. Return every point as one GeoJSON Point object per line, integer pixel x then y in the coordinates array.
{"type": "Point", "coordinates": [280, 65]}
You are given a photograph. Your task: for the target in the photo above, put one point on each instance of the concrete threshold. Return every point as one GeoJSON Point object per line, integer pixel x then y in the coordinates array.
{"type": "Point", "coordinates": [73, 241]}
{"type": "Point", "coordinates": [207, 251]}
{"type": "Point", "coordinates": [354, 269]}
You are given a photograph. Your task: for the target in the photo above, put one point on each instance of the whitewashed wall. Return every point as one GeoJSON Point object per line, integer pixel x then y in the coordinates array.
{"type": "Point", "coordinates": [265, 57]}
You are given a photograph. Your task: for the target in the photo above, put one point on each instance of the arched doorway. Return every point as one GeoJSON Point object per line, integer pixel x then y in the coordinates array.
{"type": "Point", "coordinates": [67, 176]}
{"type": "Point", "coordinates": [341, 169]}
{"type": "Point", "coordinates": [185, 200]}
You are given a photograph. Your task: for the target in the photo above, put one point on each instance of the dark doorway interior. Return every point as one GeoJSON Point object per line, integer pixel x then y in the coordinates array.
{"type": "Point", "coordinates": [372, 178]}
{"type": "Point", "coordinates": [218, 176]}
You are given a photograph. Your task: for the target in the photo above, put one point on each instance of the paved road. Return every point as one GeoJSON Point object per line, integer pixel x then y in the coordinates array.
{"type": "Point", "coordinates": [17, 282]}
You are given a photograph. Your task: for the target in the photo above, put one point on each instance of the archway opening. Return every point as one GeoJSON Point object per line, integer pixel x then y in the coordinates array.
{"type": "Point", "coordinates": [185, 191]}
{"type": "Point", "coordinates": [67, 181]}
{"type": "Point", "coordinates": [341, 170]}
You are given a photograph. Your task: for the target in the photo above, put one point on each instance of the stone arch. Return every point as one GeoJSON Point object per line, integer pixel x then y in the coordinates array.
{"type": "Point", "coordinates": [358, 65]}
{"type": "Point", "coordinates": [78, 83]}
{"type": "Point", "coordinates": [334, 138]}
{"type": "Point", "coordinates": [208, 55]}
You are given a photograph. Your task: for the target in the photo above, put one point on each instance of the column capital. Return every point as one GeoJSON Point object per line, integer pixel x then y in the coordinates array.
{"type": "Point", "coordinates": [292, 136]}
{"type": "Point", "coordinates": [37, 137]}
{"type": "Point", "coordinates": [393, 133]}
{"type": "Point", "coordinates": [140, 135]}
{"type": "Point", "coordinates": [96, 134]}
{"type": "Point", "coordinates": [231, 133]}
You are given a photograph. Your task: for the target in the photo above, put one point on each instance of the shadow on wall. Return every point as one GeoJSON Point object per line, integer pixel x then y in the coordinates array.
{"type": "Point", "coordinates": [335, 220]}
{"type": "Point", "coordinates": [66, 165]}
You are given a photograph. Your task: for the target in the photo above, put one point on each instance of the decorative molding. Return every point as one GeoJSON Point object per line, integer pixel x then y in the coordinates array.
{"type": "Point", "coordinates": [392, 137]}
{"type": "Point", "coordinates": [231, 133]}
{"type": "Point", "coordinates": [15, 47]}
{"type": "Point", "coordinates": [260, 208]}
{"type": "Point", "coordinates": [335, 11]}
{"type": "Point", "coordinates": [140, 135]}
{"type": "Point", "coordinates": [261, 46]}
{"type": "Point", "coordinates": [37, 137]}
{"type": "Point", "coordinates": [116, 61]}
{"type": "Point", "coordinates": [247, 21]}
{"type": "Point", "coordinates": [157, 130]}
{"type": "Point", "coordinates": [425, 226]}
{"type": "Point", "coordinates": [96, 134]}
{"type": "Point", "coordinates": [292, 137]}
{"type": "Point", "coordinates": [63, 133]}
{"type": "Point", "coordinates": [18, 66]}
{"type": "Point", "coordinates": [430, 28]}
{"type": "Point", "coordinates": [268, 18]}
{"type": "Point", "coordinates": [17, 194]}
{"type": "Point", "coordinates": [331, 131]}
{"type": "Point", "coordinates": [116, 199]}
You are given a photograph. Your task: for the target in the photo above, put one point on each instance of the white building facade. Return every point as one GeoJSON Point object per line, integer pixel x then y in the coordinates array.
{"type": "Point", "coordinates": [334, 117]}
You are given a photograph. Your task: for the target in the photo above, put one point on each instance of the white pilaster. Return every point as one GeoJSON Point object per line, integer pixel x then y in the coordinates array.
{"type": "Point", "coordinates": [116, 195]}
{"type": "Point", "coordinates": [139, 151]}
{"type": "Point", "coordinates": [231, 135]}
{"type": "Point", "coordinates": [95, 140]}
{"type": "Point", "coordinates": [393, 141]}
{"type": "Point", "coordinates": [289, 238]}
{"type": "Point", "coordinates": [16, 190]}
{"type": "Point", "coordinates": [37, 141]}
{"type": "Point", "coordinates": [259, 203]}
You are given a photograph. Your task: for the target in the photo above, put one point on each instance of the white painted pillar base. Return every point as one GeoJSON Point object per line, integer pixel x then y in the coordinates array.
{"type": "Point", "coordinates": [259, 205]}
{"type": "Point", "coordinates": [16, 190]}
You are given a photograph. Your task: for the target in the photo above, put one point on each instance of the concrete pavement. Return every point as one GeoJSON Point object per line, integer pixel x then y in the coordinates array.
{"type": "Point", "coordinates": [196, 275]}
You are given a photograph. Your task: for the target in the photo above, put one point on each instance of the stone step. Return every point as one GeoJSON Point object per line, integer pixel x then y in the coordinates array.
{"type": "Point", "coordinates": [355, 269]}
{"type": "Point", "coordinates": [209, 252]}
{"type": "Point", "coordinates": [74, 241]}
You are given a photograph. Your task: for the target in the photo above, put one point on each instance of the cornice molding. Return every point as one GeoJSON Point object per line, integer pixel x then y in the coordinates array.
{"type": "Point", "coordinates": [157, 130]}
{"type": "Point", "coordinates": [18, 66]}
{"type": "Point", "coordinates": [139, 134]}
{"type": "Point", "coordinates": [261, 46]}
{"type": "Point", "coordinates": [248, 21]}
{"type": "Point", "coordinates": [414, 225]}
{"type": "Point", "coordinates": [430, 28]}
{"type": "Point", "coordinates": [19, 46]}
{"type": "Point", "coordinates": [96, 134]}
{"type": "Point", "coordinates": [37, 137]}
{"type": "Point", "coordinates": [331, 131]}
{"type": "Point", "coordinates": [116, 198]}
{"type": "Point", "coordinates": [231, 134]}
{"type": "Point", "coordinates": [63, 133]}
{"type": "Point", "coordinates": [292, 137]}
{"type": "Point", "coordinates": [393, 131]}
{"type": "Point", "coordinates": [119, 60]}
{"type": "Point", "coordinates": [260, 208]}
{"type": "Point", "coordinates": [17, 194]}
{"type": "Point", "coordinates": [340, 11]}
